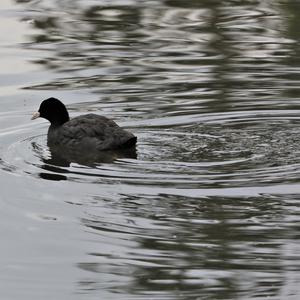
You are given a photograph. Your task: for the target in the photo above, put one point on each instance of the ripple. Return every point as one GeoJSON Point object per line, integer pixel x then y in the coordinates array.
{"type": "Point", "coordinates": [237, 149]}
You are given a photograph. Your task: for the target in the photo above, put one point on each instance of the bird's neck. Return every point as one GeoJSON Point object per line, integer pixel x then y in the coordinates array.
{"type": "Point", "coordinates": [57, 122]}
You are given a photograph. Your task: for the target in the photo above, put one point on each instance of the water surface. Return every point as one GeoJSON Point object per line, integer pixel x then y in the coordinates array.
{"type": "Point", "coordinates": [210, 207]}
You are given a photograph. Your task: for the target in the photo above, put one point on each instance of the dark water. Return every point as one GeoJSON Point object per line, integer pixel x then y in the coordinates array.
{"type": "Point", "coordinates": [211, 207]}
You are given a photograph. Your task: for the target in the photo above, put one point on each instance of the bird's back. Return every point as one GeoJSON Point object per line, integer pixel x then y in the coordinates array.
{"type": "Point", "coordinates": [90, 132]}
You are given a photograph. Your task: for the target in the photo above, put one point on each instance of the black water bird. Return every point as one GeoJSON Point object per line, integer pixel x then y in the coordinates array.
{"type": "Point", "coordinates": [84, 136]}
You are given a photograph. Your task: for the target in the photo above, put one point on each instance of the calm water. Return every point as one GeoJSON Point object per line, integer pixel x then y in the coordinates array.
{"type": "Point", "coordinates": [211, 207]}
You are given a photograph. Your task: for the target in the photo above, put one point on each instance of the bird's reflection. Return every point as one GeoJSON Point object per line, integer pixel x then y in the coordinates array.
{"type": "Point", "coordinates": [62, 158]}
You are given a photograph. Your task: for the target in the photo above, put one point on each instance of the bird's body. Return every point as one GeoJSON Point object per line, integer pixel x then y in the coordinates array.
{"type": "Point", "coordinates": [85, 133]}
{"type": "Point", "coordinates": [90, 132]}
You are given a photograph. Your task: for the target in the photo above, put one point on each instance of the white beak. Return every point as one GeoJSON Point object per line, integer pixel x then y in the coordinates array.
{"type": "Point", "coordinates": [35, 115]}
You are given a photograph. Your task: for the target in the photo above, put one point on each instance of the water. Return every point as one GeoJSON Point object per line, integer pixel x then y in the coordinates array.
{"type": "Point", "coordinates": [210, 208]}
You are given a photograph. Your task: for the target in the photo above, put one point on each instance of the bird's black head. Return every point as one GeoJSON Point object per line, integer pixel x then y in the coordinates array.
{"type": "Point", "coordinates": [54, 111]}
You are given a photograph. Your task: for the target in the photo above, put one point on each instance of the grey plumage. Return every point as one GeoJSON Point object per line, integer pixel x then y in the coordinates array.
{"type": "Point", "coordinates": [88, 132]}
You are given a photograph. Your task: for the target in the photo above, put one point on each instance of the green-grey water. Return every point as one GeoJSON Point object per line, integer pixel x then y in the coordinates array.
{"type": "Point", "coordinates": [210, 208]}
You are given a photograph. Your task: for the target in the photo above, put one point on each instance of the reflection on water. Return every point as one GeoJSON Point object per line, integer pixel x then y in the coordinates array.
{"type": "Point", "coordinates": [61, 157]}
{"type": "Point", "coordinates": [210, 207]}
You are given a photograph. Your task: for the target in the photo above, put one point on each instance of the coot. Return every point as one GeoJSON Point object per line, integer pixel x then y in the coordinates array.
{"type": "Point", "coordinates": [86, 133]}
